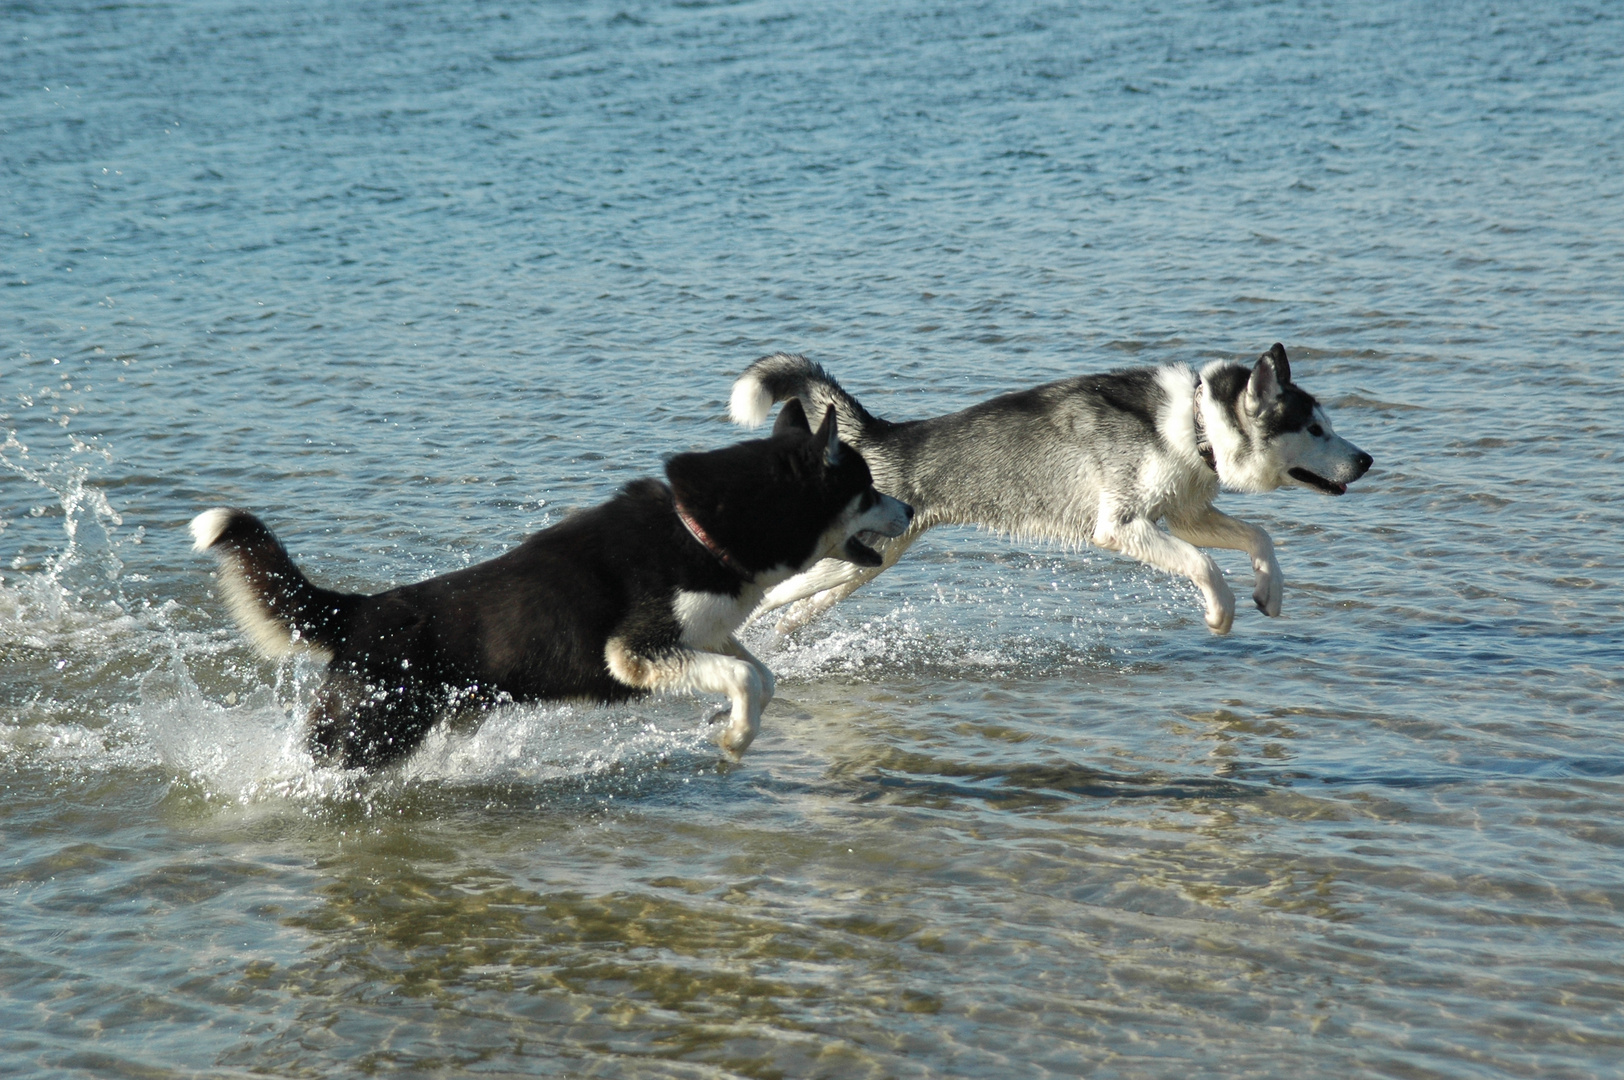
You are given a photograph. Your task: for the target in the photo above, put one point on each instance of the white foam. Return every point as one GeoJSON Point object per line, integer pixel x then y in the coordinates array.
{"type": "Point", "coordinates": [252, 751]}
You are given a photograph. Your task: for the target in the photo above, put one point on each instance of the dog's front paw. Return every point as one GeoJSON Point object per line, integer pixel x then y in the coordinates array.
{"type": "Point", "coordinates": [1221, 611]}
{"type": "Point", "coordinates": [734, 738]}
{"type": "Point", "coordinates": [1268, 591]}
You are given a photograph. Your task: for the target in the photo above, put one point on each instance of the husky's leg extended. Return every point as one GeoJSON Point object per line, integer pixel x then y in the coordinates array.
{"type": "Point", "coordinates": [802, 611]}
{"type": "Point", "coordinates": [1211, 527]}
{"type": "Point", "coordinates": [826, 584]}
{"type": "Point", "coordinates": [1141, 539]}
{"type": "Point", "coordinates": [361, 723]}
{"type": "Point", "coordinates": [681, 668]}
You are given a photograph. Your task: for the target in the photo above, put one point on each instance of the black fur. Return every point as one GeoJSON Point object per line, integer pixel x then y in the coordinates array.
{"type": "Point", "coordinates": [533, 623]}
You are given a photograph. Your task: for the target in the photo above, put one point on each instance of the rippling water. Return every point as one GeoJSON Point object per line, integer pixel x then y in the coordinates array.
{"type": "Point", "coordinates": [413, 279]}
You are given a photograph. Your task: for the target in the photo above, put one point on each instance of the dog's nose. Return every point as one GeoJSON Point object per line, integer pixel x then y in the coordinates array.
{"type": "Point", "coordinates": [1363, 463]}
{"type": "Point", "coordinates": [907, 511]}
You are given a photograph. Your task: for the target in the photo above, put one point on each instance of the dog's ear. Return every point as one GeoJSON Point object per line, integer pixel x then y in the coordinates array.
{"type": "Point", "coordinates": [792, 418]}
{"type": "Point", "coordinates": [1269, 379]}
{"type": "Point", "coordinates": [827, 437]}
{"type": "Point", "coordinates": [1282, 367]}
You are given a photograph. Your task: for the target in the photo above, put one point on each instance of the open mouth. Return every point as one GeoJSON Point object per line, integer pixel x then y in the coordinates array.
{"type": "Point", "coordinates": [860, 553]}
{"type": "Point", "coordinates": [1330, 487]}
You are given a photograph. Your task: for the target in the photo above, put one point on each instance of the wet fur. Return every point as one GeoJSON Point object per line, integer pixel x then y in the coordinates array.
{"type": "Point", "coordinates": [1099, 459]}
{"type": "Point", "coordinates": [613, 602]}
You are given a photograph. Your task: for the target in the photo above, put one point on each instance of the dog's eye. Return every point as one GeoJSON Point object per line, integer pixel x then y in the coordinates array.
{"type": "Point", "coordinates": [1315, 430]}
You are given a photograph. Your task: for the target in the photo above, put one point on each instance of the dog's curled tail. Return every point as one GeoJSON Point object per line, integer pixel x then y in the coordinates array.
{"type": "Point", "coordinates": [274, 604]}
{"type": "Point", "coordinates": [782, 376]}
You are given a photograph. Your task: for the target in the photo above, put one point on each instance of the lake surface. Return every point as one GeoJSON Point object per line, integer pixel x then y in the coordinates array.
{"type": "Point", "coordinates": [410, 280]}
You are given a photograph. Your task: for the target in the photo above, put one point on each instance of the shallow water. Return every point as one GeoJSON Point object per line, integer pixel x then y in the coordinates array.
{"type": "Point", "coordinates": [412, 280]}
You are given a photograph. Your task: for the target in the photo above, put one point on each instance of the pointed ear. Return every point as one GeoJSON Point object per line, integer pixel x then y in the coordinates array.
{"type": "Point", "coordinates": [1282, 368]}
{"type": "Point", "coordinates": [792, 418]}
{"type": "Point", "coordinates": [1268, 379]}
{"type": "Point", "coordinates": [828, 438]}
{"type": "Point", "coordinates": [679, 469]}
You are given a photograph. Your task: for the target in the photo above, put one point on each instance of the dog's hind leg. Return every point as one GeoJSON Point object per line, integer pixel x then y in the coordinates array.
{"type": "Point", "coordinates": [356, 723]}
{"type": "Point", "coordinates": [1141, 539]}
{"type": "Point", "coordinates": [808, 608]}
{"type": "Point", "coordinates": [825, 576]}
{"type": "Point", "coordinates": [1211, 527]}
{"type": "Point", "coordinates": [826, 584]}
{"type": "Point", "coordinates": [677, 667]}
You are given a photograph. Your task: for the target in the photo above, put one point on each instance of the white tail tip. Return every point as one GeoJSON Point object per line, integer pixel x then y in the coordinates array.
{"type": "Point", "coordinates": [207, 527]}
{"type": "Point", "coordinates": [750, 403]}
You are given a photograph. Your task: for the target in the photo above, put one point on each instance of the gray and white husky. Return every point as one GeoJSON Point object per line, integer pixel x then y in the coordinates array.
{"type": "Point", "coordinates": [1098, 459]}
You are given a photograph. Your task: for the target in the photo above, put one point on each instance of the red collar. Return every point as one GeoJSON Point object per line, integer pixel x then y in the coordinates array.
{"type": "Point", "coordinates": [704, 538]}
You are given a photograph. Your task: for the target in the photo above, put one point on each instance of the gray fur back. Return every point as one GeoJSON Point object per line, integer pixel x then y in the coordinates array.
{"type": "Point", "coordinates": [1032, 464]}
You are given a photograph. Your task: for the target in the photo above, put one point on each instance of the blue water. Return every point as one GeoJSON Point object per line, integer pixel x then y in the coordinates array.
{"type": "Point", "coordinates": [411, 280]}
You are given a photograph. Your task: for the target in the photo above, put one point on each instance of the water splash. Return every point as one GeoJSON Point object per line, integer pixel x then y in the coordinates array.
{"type": "Point", "coordinates": [88, 565]}
{"type": "Point", "coordinates": [251, 750]}
{"type": "Point", "coordinates": [131, 684]}
{"type": "Point", "coordinates": [1086, 615]}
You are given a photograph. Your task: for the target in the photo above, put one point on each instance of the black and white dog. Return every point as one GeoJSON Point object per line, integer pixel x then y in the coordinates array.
{"type": "Point", "coordinates": [1099, 459]}
{"type": "Point", "coordinates": [640, 594]}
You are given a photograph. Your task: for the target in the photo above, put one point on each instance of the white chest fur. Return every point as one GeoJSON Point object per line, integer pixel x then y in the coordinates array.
{"type": "Point", "coordinates": [708, 618]}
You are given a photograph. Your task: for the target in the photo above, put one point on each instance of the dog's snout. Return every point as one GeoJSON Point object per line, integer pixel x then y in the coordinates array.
{"type": "Point", "coordinates": [896, 515]}
{"type": "Point", "coordinates": [1362, 464]}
